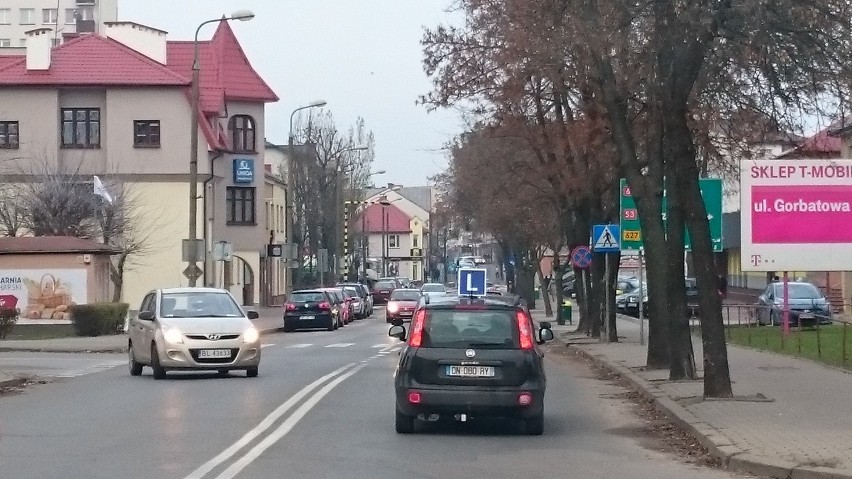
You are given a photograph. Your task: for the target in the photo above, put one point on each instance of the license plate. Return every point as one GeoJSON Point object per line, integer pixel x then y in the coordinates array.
{"type": "Point", "coordinates": [406, 313]}
{"type": "Point", "coordinates": [214, 353]}
{"type": "Point", "coordinates": [470, 371]}
{"type": "Point", "coordinates": [307, 317]}
{"type": "Point", "coordinates": [806, 316]}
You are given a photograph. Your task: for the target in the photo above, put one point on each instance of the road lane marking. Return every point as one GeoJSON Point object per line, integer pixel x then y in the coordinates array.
{"type": "Point", "coordinates": [95, 368]}
{"type": "Point", "coordinates": [299, 346]}
{"type": "Point", "coordinates": [340, 345]}
{"type": "Point", "coordinates": [285, 427]}
{"type": "Point", "coordinates": [266, 345]}
{"type": "Point", "coordinates": [267, 422]}
{"type": "Point", "coordinates": [377, 346]}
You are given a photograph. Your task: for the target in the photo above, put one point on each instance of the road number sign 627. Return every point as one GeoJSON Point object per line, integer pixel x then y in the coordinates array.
{"type": "Point", "coordinates": [631, 235]}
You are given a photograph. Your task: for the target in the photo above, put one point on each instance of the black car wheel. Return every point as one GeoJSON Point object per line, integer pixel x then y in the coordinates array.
{"type": "Point", "coordinates": [159, 371]}
{"type": "Point", "coordinates": [287, 329]}
{"type": "Point", "coordinates": [404, 424]}
{"type": "Point", "coordinates": [252, 372]}
{"type": "Point", "coordinates": [135, 367]}
{"type": "Point", "coordinates": [534, 426]}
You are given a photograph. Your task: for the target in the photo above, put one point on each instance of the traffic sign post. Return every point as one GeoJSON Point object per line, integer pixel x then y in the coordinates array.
{"type": "Point", "coordinates": [631, 232]}
{"type": "Point", "coordinates": [471, 281]}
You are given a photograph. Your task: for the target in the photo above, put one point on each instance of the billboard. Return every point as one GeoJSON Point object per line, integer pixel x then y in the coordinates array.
{"type": "Point", "coordinates": [42, 293]}
{"type": "Point", "coordinates": [796, 215]}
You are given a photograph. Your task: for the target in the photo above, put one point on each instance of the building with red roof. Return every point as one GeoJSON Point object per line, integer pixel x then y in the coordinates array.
{"type": "Point", "coordinates": [117, 104]}
{"type": "Point", "coordinates": [391, 239]}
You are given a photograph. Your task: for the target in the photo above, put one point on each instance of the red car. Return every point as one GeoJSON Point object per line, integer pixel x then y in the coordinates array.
{"type": "Point", "coordinates": [382, 291]}
{"type": "Point", "coordinates": [402, 304]}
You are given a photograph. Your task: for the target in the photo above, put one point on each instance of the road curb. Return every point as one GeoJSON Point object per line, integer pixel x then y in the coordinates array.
{"type": "Point", "coordinates": [12, 382]}
{"type": "Point", "coordinates": [719, 446]}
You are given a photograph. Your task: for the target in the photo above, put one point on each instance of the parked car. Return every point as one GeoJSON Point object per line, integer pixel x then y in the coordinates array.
{"type": "Point", "coordinates": [365, 295]}
{"type": "Point", "coordinates": [402, 303]}
{"type": "Point", "coordinates": [338, 305]}
{"type": "Point", "coordinates": [468, 358]}
{"type": "Point", "coordinates": [806, 303]}
{"type": "Point", "coordinates": [382, 291]}
{"type": "Point", "coordinates": [193, 329]}
{"type": "Point", "coordinates": [356, 305]}
{"type": "Point", "coordinates": [309, 309]}
{"type": "Point", "coordinates": [628, 303]}
{"type": "Point", "coordinates": [345, 305]}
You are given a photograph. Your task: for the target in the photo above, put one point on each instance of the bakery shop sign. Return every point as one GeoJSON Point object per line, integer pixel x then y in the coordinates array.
{"type": "Point", "coordinates": [42, 294]}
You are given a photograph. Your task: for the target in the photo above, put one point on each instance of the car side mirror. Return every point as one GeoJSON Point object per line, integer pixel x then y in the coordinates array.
{"type": "Point", "coordinates": [252, 314]}
{"type": "Point", "coordinates": [545, 334]}
{"type": "Point", "coordinates": [397, 331]}
{"type": "Point", "coordinates": [146, 315]}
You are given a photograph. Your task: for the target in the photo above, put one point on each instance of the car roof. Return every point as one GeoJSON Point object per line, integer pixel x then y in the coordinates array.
{"type": "Point", "coordinates": [413, 290]}
{"type": "Point", "coordinates": [307, 291]}
{"type": "Point", "coordinates": [191, 290]}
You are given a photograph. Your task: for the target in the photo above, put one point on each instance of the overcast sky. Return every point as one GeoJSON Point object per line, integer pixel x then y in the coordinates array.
{"type": "Point", "coordinates": [362, 56]}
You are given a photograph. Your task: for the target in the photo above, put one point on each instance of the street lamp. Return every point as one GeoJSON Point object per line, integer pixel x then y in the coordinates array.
{"type": "Point", "coordinates": [288, 200]}
{"type": "Point", "coordinates": [192, 271]}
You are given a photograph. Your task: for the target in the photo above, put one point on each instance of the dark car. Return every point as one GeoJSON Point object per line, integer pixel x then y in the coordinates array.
{"type": "Point", "coordinates": [628, 302]}
{"type": "Point", "coordinates": [382, 291]}
{"type": "Point", "coordinates": [307, 309]}
{"type": "Point", "coordinates": [401, 304]}
{"type": "Point", "coordinates": [806, 303]}
{"type": "Point", "coordinates": [467, 358]}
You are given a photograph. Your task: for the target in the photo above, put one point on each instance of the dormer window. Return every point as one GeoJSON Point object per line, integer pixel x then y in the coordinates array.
{"type": "Point", "coordinates": [242, 129]}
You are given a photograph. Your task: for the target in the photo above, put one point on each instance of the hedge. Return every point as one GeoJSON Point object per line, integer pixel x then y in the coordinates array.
{"type": "Point", "coordinates": [98, 318]}
{"type": "Point", "coordinates": [8, 318]}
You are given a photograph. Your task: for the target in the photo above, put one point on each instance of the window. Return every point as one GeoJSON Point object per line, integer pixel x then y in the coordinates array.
{"type": "Point", "coordinates": [27, 16]}
{"type": "Point", "coordinates": [86, 13]}
{"type": "Point", "coordinates": [49, 16]}
{"type": "Point", "coordinates": [69, 16]}
{"type": "Point", "coordinates": [240, 204]}
{"type": "Point", "coordinates": [146, 133]}
{"type": "Point", "coordinates": [81, 128]}
{"type": "Point", "coordinates": [393, 241]}
{"type": "Point", "coordinates": [5, 16]}
{"type": "Point", "coordinates": [242, 133]}
{"type": "Point", "coordinates": [5, 42]}
{"type": "Point", "coordinates": [9, 134]}
{"type": "Point", "coordinates": [415, 240]}
{"type": "Point", "coordinates": [55, 42]}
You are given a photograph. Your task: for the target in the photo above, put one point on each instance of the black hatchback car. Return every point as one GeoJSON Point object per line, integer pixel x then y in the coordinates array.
{"type": "Point", "coordinates": [467, 358]}
{"type": "Point", "coordinates": [310, 309]}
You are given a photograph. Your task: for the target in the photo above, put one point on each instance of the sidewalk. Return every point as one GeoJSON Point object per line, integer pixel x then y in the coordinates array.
{"type": "Point", "coordinates": [790, 418]}
{"type": "Point", "coordinates": [269, 321]}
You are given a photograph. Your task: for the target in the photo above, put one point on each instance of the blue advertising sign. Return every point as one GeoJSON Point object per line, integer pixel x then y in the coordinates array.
{"type": "Point", "coordinates": [471, 282]}
{"type": "Point", "coordinates": [243, 170]}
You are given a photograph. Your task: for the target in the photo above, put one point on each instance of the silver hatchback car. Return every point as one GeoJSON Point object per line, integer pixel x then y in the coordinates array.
{"type": "Point", "coordinates": [193, 329]}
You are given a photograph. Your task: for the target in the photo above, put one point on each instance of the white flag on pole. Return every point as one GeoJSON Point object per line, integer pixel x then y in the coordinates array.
{"type": "Point", "coordinates": [101, 190]}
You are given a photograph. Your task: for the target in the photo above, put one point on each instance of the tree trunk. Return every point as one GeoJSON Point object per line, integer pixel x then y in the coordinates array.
{"type": "Point", "coordinates": [557, 287]}
{"type": "Point", "coordinates": [613, 281]}
{"type": "Point", "coordinates": [657, 271]}
{"type": "Point", "coordinates": [116, 274]}
{"type": "Point", "coordinates": [597, 305]}
{"type": "Point", "coordinates": [545, 294]}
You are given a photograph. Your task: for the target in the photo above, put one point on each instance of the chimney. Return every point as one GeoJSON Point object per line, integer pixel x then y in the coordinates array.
{"type": "Point", "coordinates": [148, 41]}
{"type": "Point", "coordinates": [39, 43]}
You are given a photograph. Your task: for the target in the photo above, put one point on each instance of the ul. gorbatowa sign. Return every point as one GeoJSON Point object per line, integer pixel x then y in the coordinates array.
{"type": "Point", "coordinates": [42, 294]}
{"type": "Point", "coordinates": [796, 215]}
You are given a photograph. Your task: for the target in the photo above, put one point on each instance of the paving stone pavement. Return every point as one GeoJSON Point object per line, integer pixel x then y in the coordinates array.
{"type": "Point", "coordinates": [803, 429]}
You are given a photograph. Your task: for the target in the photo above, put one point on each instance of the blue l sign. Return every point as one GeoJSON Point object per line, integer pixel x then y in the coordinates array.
{"type": "Point", "coordinates": [471, 282]}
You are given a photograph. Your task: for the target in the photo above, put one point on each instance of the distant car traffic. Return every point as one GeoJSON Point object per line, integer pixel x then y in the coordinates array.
{"type": "Point", "coordinates": [402, 303]}
{"type": "Point", "coordinates": [806, 303]}
{"type": "Point", "coordinates": [365, 295]}
{"type": "Point", "coordinates": [433, 288]}
{"type": "Point", "coordinates": [310, 309]}
{"type": "Point", "coordinates": [383, 289]}
{"type": "Point", "coordinates": [468, 358]}
{"type": "Point", "coordinates": [193, 329]}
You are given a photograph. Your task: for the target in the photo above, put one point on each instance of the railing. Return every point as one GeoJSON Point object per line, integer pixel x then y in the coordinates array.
{"type": "Point", "coordinates": [820, 337]}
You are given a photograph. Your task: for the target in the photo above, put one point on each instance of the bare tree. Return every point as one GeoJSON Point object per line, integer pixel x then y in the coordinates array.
{"type": "Point", "coordinates": [12, 212]}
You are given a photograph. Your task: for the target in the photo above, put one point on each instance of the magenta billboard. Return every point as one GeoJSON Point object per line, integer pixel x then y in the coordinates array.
{"type": "Point", "coordinates": [796, 215]}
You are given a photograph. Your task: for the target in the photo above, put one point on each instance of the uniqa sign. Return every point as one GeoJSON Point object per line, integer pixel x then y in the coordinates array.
{"type": "Point", "coordinates": [796, 215]}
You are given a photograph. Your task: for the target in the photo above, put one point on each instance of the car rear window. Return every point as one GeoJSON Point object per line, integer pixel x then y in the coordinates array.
{"type": "Point", "coordinates": [350, 292]}
{"type": "Point", "coordinates": [469, 329]}
{"type": "Point", "coordinates": [307, 297]}
{"type": "Point", "coordinates": [384, 285]}
{"type": "Point", "coordinates": [402, 295]}
{"type": "Point", "coordinates": [433, 288]}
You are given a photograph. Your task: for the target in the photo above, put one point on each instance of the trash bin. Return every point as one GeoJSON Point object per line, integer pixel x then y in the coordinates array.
{"type": "Point", "coordinates": [537, 294]}
{"type": "Point", "coordinates": [566, 313]}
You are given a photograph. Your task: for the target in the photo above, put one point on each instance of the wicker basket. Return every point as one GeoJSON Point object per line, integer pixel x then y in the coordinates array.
{"type": "Point", "coordinates": [49, 297]}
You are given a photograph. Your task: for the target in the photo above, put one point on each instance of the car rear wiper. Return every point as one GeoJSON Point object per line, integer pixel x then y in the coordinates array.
{"type": "Point", "coordinates": [481, 344]}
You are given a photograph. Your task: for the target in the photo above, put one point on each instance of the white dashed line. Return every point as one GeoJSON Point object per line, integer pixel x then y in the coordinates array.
{"type": "Point", "coordinates": [340, 345]}
{"type": "Point", "coordinates": [299, 346]}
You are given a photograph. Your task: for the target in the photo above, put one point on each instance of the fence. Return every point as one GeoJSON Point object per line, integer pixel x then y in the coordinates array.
{"type": "Point", "coordinates": [826, 338]}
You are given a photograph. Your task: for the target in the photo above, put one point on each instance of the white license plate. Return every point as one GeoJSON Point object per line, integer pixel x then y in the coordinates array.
{"type": "Point", "coordinates": [470, 371]}
{"type": "Point", "coordinates": [406, 313]}
{"type": "Point", "coordinates": [307, 317]}
{"type": "Point", "coordinates": [214, 353]}
{"type": "Point", "coordinates": [806, 316]}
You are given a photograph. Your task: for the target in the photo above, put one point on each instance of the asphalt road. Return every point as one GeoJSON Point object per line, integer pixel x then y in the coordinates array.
{"type": "Point", "coordinates": [322, 407]}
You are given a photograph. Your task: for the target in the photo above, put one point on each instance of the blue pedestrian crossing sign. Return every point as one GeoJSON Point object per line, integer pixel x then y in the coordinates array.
{"type": "Point", "coordinates": [471, 282]}
{"type": "Point", "coordinates": [605, 238]}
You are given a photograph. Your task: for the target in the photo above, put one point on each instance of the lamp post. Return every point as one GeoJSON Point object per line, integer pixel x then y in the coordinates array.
{"type": "Point", "coordinates": [288, 199]}
{"type": "Point", "coordinates": [192, 271]}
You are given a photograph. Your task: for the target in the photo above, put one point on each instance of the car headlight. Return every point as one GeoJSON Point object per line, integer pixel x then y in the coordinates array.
{"type": "Point", "coordinates": [173, 335]}
{"type": "Point", "coordinates": [251, 335]}
{"type": "Point", "coordinates": [634, 299]}
{"type": "Point", "coordinates": [393, 307]}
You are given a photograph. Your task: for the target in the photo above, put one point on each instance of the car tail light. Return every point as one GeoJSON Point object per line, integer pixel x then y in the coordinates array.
{"type": "Point", "coordinates": [393, 307]}
{"type": "Point", "coordinates": [290, 306]}
{"type": "Point", "coordinates": [325, 305]}
{"type": "Point", "coordinates": [525, 399]}
{"type": "Point", "coordinates": [414, 397]}
{"type": "Point", "coordinates": [525, 330]}
{"type": "Point", "coordinates": [416, 338]}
